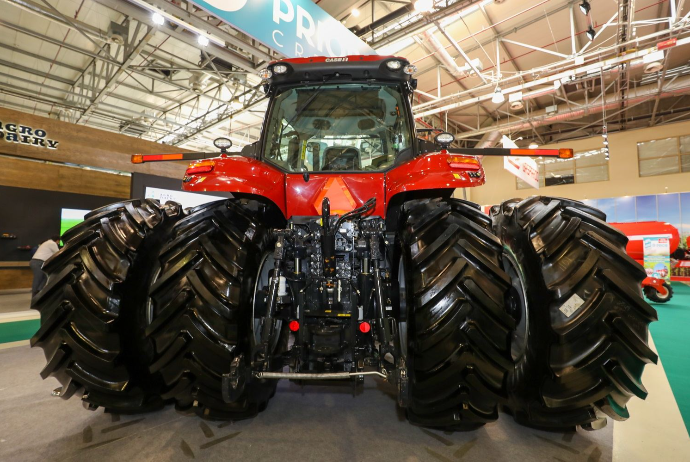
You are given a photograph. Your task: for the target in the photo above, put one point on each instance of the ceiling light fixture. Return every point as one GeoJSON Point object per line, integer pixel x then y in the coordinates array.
{"type": "Point", "coordinates": [591, 33]}
{"type": "Point", "coordinates": [533, 145]}
{"type": "Point", "coordinates": [355, 13]}
{"type": "Point", "coordinates": [585, 7]}
{"type": "Point", "coordinates": [423, 6]}
{"type": "Point", "coordinates": [498, 96]}
{"type": "Point", "coordinates": [202, 40]}
{"type": "Point", "coordinates": [158, 19]}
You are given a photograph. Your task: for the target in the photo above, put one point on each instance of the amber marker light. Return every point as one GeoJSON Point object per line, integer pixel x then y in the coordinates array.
{"type": "Point", "coordinates": [565, 153]}
{"type": "Point", "coordinates": [140, 159]}
{"type": "Point", "coordinates": [204, 166]}
{"type": "Point", "coordinates": [466, 163]}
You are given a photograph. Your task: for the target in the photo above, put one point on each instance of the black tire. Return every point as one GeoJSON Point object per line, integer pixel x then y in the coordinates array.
{"type": "Point", "coordinates": [585, 335]}
{"type": "Point", "coordinates": [652, 294]}
{"type": "Point", "coordinates": [201, 309]}
{"type": "Point", "coordinates": [91, 327]}
{"type": "Point", "coordinates": [457, 326]}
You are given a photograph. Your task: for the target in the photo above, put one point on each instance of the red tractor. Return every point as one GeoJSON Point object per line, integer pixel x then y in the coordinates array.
{"type": "Point", "coordinates": [343, 254]}
{"type": "Point", "coordinates": [655, 286]}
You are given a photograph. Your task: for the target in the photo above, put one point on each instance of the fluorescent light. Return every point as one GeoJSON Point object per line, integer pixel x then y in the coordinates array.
{"type": "Point", "coordinates": [498, 96]}
{"type": "Point", "coordinates": [202, 40]}
{"type": "Point", "coordinates": [424, 6]}
{"type": "Point", "coordinates": [158, 19]}
{"type": "Point", "coordinates": [355, 13]}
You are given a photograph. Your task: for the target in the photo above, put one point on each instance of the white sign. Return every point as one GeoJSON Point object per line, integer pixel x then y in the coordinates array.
{"type": "Point", "coordinates": [187, 199]}
{"type": "Point", "coordinates": [524, 168]}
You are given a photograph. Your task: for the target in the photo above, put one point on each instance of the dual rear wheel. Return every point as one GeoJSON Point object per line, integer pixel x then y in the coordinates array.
{"type": "Point", "coordinates": [535, 309]}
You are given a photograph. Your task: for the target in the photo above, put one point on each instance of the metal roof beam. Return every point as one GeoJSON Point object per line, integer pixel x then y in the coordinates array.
{"type": "Point", "coordinates": [112, 80]}
{"type": "Point", "coordinates": [141, 15]}
{"type": "Point", "coordinates": [96, 56]}
{"type": "Point", "coordinates": [39, 57]}
{"type": "Point", "coordinates": [196, 21]}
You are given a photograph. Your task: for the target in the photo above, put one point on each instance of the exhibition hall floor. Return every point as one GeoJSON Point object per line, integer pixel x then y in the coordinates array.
{"type": "Point", "coordinates": [327, 423]}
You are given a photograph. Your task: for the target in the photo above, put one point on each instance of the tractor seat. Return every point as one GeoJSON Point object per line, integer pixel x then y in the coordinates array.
{"type": "Point", "coordinates": [342, 158]}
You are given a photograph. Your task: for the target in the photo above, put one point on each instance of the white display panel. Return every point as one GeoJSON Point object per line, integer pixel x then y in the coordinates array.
{"type": "Point", "coordinates": [187, 199]}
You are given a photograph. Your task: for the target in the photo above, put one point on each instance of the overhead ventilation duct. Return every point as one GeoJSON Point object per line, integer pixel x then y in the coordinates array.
{"type": "Point", "coordinates": [134, 128]}
{"type": "Point", "coordinates": [447, 60]}
{"type": "Point", "coordinates": [651, 68]}
{"type": "Point", "coordinates": [117, 33]}
{"type": "Point", "coordinates": [681, 86]}
{"type": "Point", "coordinates": [198, 82]}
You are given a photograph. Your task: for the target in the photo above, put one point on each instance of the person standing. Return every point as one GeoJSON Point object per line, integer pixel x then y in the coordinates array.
{"type": "Point", "coordinates": [44, 252]}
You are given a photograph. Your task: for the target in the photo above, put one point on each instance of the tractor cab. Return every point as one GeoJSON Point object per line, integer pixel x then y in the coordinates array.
{"type": "Point", "coordinates": [348, 114]}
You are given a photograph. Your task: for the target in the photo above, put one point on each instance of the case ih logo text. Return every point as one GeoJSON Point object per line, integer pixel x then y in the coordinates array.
{"type": "Point", "coordinates": [13, 133]}
{"type": "Point", "coordinates": [335, 60]}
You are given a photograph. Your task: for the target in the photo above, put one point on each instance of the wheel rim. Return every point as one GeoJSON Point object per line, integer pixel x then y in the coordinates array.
{"type": "Point", "coordinates": [262, 280]}
{"type": "Point", "coordinates": [662, 296]}
{"type": "Point", "coordinates": [402, 323]}
{"type": "Point", "coordinates": [517, 306]}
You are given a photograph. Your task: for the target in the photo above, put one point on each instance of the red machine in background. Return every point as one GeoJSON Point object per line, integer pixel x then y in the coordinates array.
{"type": "Point", "coordinates": [655, 289]}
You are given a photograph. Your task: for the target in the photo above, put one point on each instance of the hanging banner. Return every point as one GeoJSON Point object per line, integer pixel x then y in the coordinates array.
{"type": "Point", "coordinates": [657, 258]}
{"type": "Point", "coordinates": [524, 168]}
{"type": "Point", "coordinates": [295, 28]}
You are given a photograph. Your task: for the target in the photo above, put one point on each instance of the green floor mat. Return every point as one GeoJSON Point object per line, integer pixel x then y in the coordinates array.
{"type": "Point", "coordinates": [672, 338]}
{"type": "Point", "coordinates": [18, 330]}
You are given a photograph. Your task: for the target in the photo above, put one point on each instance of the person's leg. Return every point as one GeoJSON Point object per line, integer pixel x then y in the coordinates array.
{"type": "Point", "coordinates": [39, 277]}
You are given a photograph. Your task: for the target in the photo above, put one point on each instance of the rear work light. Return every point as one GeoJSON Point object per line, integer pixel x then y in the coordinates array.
{"type": "Point", "coordinates": [394, 65]}
{"type": "Point", "coordinates": [465, 163]}
{"type": "Point", "coordinates": [204, 166]}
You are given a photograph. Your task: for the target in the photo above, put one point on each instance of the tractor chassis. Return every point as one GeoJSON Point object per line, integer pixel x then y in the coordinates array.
{"type": "Point", "coordinates": [330, 282]}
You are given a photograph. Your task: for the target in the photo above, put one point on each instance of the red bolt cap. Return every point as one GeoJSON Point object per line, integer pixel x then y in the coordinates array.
{"type": "Point", "coordinates": [364, 327]}
{"type": "Point", "coordinates": [294, 326]}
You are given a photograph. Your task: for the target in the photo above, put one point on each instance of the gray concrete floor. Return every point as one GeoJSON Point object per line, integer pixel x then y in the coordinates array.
{"type": "Point", "coordinates": [315, 423]}
{"type": "Point", "coordinates": [11, 302]}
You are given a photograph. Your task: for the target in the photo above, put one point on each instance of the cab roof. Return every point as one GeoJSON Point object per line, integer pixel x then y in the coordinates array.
{"type": "Point", "coordinates": [345, 68]}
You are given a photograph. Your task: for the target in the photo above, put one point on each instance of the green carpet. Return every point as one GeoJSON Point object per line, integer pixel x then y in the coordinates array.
{"type": "Point", "coordinates": [18, 330]}
{"type": "Point", "coordinates": [672, 338]}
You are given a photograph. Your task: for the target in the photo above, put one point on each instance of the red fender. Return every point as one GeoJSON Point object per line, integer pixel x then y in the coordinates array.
{"type": "Point", "coordinates": [296, 197]}
{"type": "Point", "coordinates": [239, 174]}
{"type": "Point", "coordinates": [657, 284]}
{"type": "Point", "coordinates": [434, 171]}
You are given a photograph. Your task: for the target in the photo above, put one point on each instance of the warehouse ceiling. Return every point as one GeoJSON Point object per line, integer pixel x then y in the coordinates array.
{"type": "Point", "coordinates": [521, 68]}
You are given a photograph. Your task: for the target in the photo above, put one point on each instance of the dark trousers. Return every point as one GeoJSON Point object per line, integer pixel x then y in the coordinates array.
{"type": "Point", "coordinates": [39, 276]}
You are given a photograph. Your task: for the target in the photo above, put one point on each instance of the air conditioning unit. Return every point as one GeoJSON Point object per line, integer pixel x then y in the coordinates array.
{"type": "Point", "coordinates": [117, 33]}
